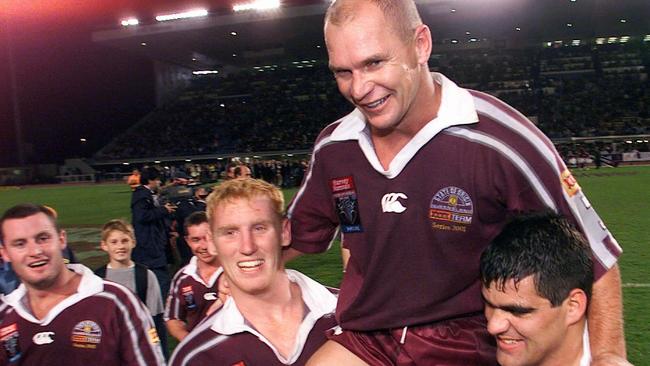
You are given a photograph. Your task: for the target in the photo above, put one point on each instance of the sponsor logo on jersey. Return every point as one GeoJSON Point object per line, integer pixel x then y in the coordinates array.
{"type": "Point", "coordinates": [390, 202]}
{"type": "Point", "coordinates": [188, 295]}
{"type": "Point", "coordinates": [153, 336]}
{"type": "Point", "coordinates": [570, 184]}
{"type": "Point", "coordinates": [346, 204]}
{"type": "Point", "coordinates": [43, 338]}
{"type": "Point", "coordinates": [451, 209]}
{"type": "Point", "coordinates": [9, 341]}
{"type": "Point", "coordinates": [86, 334]}
{"type": "Point", "coordinates": [210, 296]}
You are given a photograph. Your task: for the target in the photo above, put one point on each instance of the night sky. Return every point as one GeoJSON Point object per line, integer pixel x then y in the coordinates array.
{"type": "Point", "coordinates": [68, 87]}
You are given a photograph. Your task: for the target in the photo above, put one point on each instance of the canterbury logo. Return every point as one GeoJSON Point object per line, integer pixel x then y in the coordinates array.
{"type": "Point", "coordinates": [390, 203]}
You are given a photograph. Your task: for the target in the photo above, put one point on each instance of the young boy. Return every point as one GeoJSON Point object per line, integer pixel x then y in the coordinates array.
{"type": "Point", "coordinates": [118, 241]}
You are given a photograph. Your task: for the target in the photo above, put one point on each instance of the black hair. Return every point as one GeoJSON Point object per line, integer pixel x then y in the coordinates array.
{"type": "Point", "coordinates": [543, 245]}
{"type": "Point", "coordinates": [149, 174]}
{"type": "Point", "coordinates": [24, 210]}
{"type": "Point", "coordinates": [196, 218]}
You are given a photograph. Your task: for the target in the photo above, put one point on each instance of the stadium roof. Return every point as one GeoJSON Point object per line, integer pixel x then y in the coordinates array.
{"type": "Point", "coordinates": [294, 31]}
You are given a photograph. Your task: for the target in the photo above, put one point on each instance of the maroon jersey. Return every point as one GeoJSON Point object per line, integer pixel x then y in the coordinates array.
{"type": "Point", "coordinates": [416, 231]}
{"type": "Point", "coordinates": [189, 296]}
{"type": "Point", "coordinates": [102, 324]}
{"type": "Point", "coordinates": [226, 338]}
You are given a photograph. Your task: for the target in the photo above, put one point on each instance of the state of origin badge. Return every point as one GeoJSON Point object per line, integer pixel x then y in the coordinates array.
{"type": "Point", "coordinates": [346, 204]}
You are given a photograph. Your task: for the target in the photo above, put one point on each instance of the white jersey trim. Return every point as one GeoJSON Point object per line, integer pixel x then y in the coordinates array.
{"type": "Point", "coordinates": [318, 299]}
{"type": "Point", "coordinates": [456, 108]}
{"type": "Point", "coordinates": [588, 220]}
{"type": "Point", "coordinates": [89, 285]}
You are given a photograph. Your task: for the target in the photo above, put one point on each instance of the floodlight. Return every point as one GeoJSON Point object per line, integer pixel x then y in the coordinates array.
{"type": "Point", "coordinates": [157, 162]}
{"type": "Point", "coordinates": [188, 14]}
{"type": "Point", "coordinates": [600, 40]}
{"type": "Point", "coordinates": [646, 38]}
{"type": "Point", "coordinates": [258, 5]}
{"type": "Point", "coordinates": [624, 39]}
{"type": "Point", "coordinates": [205, 72]}
{"type": "Point", "coordinates": [612, 40]}
{"type": "Point", "coordinates": [575, 42]}
{"type": "Point", "coordinates": [130, 21]}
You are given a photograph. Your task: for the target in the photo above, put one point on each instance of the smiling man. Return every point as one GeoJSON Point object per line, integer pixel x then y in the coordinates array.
{"type": "Point", "coordinates": [274, 316]}
{"type": "Point", "coordinates": [66, 315]}
{"type": "Point", "coordinates": [419, 178]}
{"type": "Point", "coordinates": [194, 287]}
{"type": "Point", "coordinates": [537, 279]}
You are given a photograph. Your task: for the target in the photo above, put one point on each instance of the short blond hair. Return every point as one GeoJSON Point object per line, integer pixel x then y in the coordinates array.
{"type": "Point", "coordinates": [247, 188]}
{"type": "Point", "coordinates": [117, 225]}
{"type": "Point", "coordinates": [402, 15]}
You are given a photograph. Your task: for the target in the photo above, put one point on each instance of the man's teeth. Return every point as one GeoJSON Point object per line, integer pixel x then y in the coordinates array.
{"type": "Point", "coordinates": [508, 340]}
{"type": "Point", "coordinates": [250, 264]}
{"type": "Point", "coordinates": [377, 103]}
{"type": "Point", "coordinates": [38, 264]}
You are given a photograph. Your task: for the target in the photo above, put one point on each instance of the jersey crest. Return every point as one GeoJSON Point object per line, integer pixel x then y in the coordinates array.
{"type": "Point", "coordinates": [451, 209]}
{"type": "Point", "coordinates": [86, 334]}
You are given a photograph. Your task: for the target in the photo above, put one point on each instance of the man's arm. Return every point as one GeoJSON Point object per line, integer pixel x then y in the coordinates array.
{"type": "Point", "coordinates": [606, 317]}
{"type": "Point", "coordinates": [177, 329]}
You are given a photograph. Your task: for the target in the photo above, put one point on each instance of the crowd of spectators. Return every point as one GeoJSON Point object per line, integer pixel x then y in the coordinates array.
{"type": "Point", "coordinates": [568, 91]}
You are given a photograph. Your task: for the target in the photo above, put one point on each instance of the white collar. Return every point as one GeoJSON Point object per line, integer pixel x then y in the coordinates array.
{"type": "Point", "coordinates": [585, 360]}
{"type": "Point", "coordinates": [90, 285]}
{"type": "Point", "coordinates": [456, 108]}
{"type": "Point", "coordinates": [318, 299]}
{"type": "Point", "coordinates": [192, 269]}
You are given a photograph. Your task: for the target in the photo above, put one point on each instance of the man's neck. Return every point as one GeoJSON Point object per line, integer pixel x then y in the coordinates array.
{"type": "Point", "coordinates": [277, 315]}
{"type": "Point", "coordinates": [41, 301]}
{"type": "Point", "coordinates": [206, 270]}
{"type": "Point", "coordinates": [571, 348]}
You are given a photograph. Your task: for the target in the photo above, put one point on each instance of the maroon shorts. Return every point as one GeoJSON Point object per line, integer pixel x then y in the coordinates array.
{"type": "Point", "coordinates": [463, 341]}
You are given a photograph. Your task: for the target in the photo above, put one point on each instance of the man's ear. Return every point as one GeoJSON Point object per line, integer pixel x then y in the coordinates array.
{"type": "Point", "coordinates": [286, 232]}
{"type": "Point", "coordinates": [423, 44]}
{"type": "Point", "coordinates": [576, 304]}
{"type": "Point", "coordinates": [63, 237]}
{"type": "Point", "coordinates": [3, 252]}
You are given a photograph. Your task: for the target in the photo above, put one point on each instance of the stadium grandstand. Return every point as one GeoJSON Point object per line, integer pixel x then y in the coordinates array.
{"type": "Point", "coordinates": [238, 81]}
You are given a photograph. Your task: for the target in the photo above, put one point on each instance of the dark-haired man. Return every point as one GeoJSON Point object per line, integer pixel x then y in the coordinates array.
{"type": "Point", "coordinates": [419, 178]}
{"type": "Point", "coordinates": [148, 219]}
{"type": "Point", "coordinates": [64, 314]}
{"type": "Point", "coordinates": [537, 277]}
{"type": "Point", "coordinates": [194, 287]}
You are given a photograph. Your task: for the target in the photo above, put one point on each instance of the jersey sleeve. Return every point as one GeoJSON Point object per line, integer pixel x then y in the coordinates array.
{"type": "Point", "coordinates": [314, 222]}
{"type": "Point", "coordinates": [173, 306]}
{"type": "Point", "coordinates": [139, 342]}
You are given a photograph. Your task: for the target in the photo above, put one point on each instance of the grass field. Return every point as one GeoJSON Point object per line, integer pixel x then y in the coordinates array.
{"type": "Point", "coordinates": [621, 196]}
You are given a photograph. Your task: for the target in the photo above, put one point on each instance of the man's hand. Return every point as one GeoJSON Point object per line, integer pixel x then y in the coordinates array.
{"type": "Point", "coordinates": [170, 207]}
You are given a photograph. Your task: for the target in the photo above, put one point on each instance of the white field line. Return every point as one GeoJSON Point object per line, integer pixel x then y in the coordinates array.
{"type": "Point", "coordinates": [634, 285]}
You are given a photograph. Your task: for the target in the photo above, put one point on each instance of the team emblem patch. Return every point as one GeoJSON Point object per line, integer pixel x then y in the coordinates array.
{"type": "Point", "coordinates": [569, 183]}
{"type": "Point", "coordinates": [86, 334]}
{"type": "Point", "coordinates": [452, 209]}
{"type": "Point", "coordinates": [210, 296]}
{"type": "Point", "coordinates": [9, 341]}
{"type": "Point", "coordinates": [346, 204]}
{"type": "Point", "coordinates": [188, 295]}
{"type": "Point", "coordinates": [43, 338]}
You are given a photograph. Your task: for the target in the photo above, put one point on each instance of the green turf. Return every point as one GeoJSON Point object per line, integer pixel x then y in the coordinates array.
{"type": "Point", "coordinates": [620, 196]}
